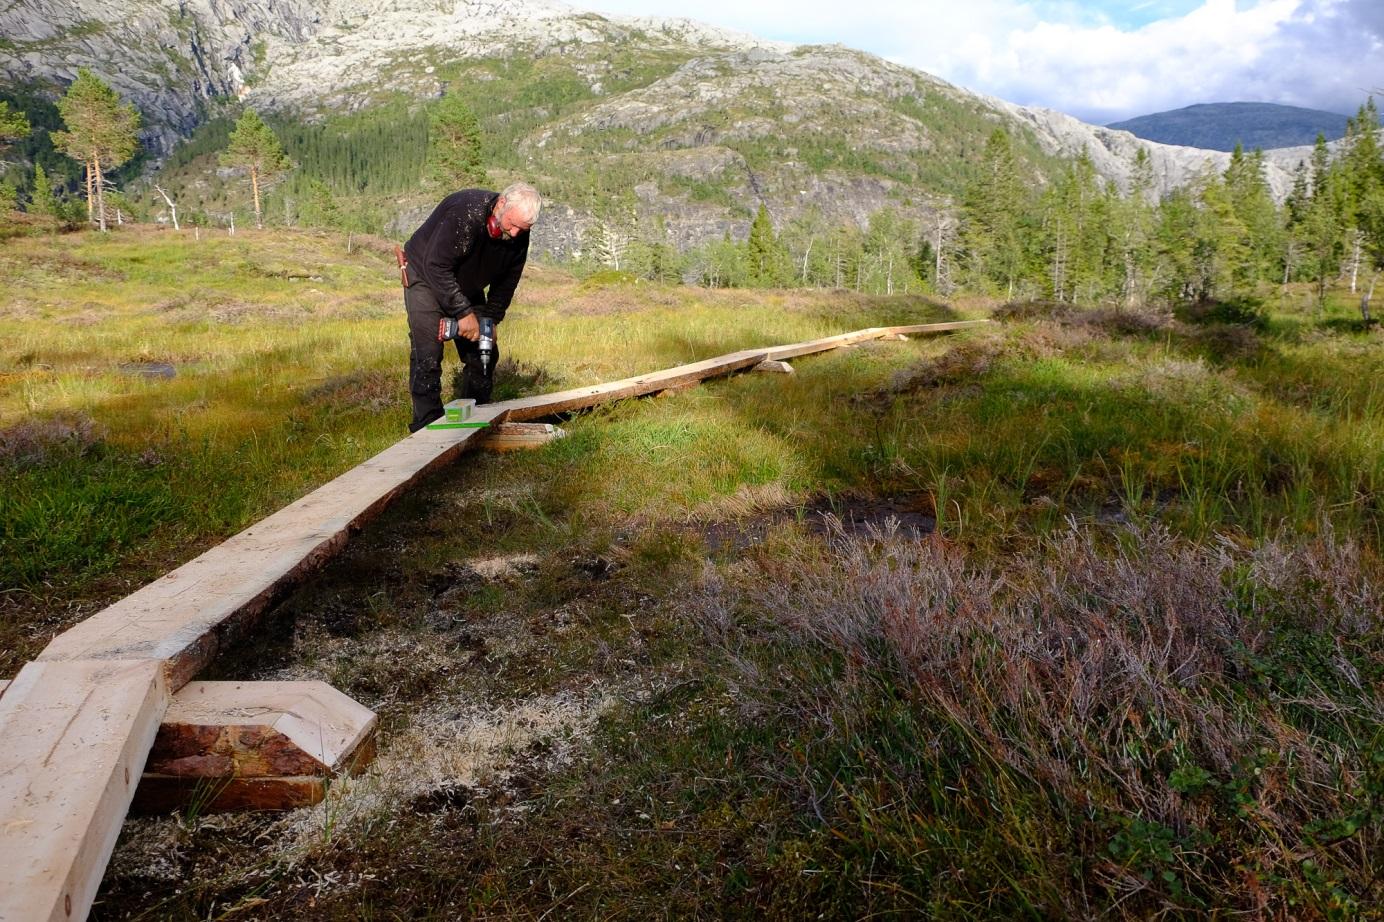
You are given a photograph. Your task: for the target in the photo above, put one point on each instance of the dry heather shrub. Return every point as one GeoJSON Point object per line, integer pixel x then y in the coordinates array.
{"type": "Point", "coordinates": [374, 390]}
{"type": "Point", "coordinates": [965, 362]}
{"type": "Point", "coordinates": [373, 244]}
{"type": "Point", "coordinates": [34, 442]}
{"type": "Point", "coordinates": [1111, 320]}
{"type": "Point", "coordinates": [1207, 697]}
{"type": "Point", "coordinates": [1229, 340]}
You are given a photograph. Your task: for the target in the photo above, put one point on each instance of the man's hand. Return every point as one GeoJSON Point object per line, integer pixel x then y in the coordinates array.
{"type": "Point", "coordinates": [464, 328]}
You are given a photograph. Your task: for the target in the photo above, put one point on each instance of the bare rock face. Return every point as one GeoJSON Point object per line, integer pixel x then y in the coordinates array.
{"type": "Point", "coordinates": [171, 57]}
{"type": "Point", "coordinates": [1113, 151]}
{"type": "Point", "coordinates": [731, 121]}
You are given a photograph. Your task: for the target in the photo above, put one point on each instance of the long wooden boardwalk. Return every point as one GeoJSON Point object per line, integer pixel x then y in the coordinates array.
{"type": "Point", "coordinates": [77, 724]}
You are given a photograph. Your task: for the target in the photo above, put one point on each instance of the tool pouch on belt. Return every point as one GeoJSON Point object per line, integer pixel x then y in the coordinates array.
{"type": "Point", "coordinates": [402, 260]}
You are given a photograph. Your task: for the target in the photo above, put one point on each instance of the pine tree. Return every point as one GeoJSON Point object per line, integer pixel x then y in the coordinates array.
{"type": "Point", "coordinates": [14, 126]}
{"type": "Point", "coordinates": [1295, 209]}
{"type": "Point", "coordinates": [41, 198]}
{"type": "Point", "coordinates": [255, 147]}
{"type": "Point", "coordinates": [1252, 201]}
{"type": "Point", "coordinates": [1133, 219]}
{"type": "Point", "coordinates": [766, 258]}
{"type": "Point", "coordinates": [1362, 166]}
{"type": "Point", "coordinates": [101, 134]}
{"type": "Point", "coordinates": [1363, 180]}
{"type": "Point", "coordinates": [454, 146]}
{"type": "Point", "coordinates": [992, 215]}
{"type": "Point", "coordinates": [1324, 224]}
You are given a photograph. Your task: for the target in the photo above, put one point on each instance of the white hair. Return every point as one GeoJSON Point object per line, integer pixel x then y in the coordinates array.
{"type": "Point", "coordinates": [523, 201]}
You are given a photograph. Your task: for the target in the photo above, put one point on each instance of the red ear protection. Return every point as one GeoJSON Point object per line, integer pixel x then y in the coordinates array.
{"type": "Point", "coordinates": [492, 226]}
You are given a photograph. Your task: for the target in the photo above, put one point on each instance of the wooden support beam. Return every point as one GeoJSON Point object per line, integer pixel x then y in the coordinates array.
{"type": "Point", "coordinates": [519, 436]}
{"type": "Point", "coordinates": [771, 366]}
{"type": "Point", "coordinates": [77, 725]}
{"type": "Point", "coordinates": [183, 618]}
{"type": "Point", "coordinates": [74, 735]}
{"type": "Point", "coordinates": [582, 398]}
{"type": "Point", "coordinates": [254, 746]}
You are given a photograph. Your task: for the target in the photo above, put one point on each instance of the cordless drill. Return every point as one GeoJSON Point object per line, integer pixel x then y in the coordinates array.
{"type": "Point", "coordinates": [448, 328]}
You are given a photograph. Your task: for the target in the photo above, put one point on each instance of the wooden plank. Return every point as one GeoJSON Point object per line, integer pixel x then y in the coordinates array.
{"type": "Point", "coordinates": [641, 385]}
{"type": "Point", "coordinates": [254, 746]}
{"type": "Point", "coordinates": [79, 723]}
{"type": "Point", "coordinates": [75, 737]}
{"type": "Point", "coordinates": [518, 436]}
{"type": "Point", "coordinates": [582, 398]}
{"type": "Point", "coordinates": [859, 336]}
{"type": "Point", "coordinates": [186, 616]}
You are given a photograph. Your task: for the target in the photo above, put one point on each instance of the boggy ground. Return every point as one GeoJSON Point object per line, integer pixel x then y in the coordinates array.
{"type": "Point", "coordinates": [1124, 658]}
{"type": "Point", "coordinates": [139, 368]}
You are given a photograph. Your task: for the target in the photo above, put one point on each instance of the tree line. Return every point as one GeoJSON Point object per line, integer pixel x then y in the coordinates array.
{"type": "Point", "coordinates": [1221, 236]}
{"type": "Point", "coordinates": [1076, 239]}
{"type": "Point", "coordinates": [310, 170]}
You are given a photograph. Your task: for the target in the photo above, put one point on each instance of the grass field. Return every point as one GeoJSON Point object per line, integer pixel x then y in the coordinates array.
{"type": "Point", "coordinates": [1077, 615]}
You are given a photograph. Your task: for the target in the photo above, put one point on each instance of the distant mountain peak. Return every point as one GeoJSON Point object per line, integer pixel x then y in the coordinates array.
{"type": "Point", "coordinates": [1223, 125]}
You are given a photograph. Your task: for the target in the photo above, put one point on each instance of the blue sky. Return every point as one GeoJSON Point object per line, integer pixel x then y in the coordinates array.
{"type": "Point", "coordinates": [1134, 15]}
{"type": "Point", "coordinates": [1100, 60]}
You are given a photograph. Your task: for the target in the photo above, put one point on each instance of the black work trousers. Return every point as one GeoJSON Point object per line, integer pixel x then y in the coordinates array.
{"type": "Point", "coordinates": [425, 355]}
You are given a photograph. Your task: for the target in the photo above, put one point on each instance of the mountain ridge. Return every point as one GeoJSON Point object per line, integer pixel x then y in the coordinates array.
{"type": "Point", "coordinates": [696, 123]}
{"type": "Point", "coordinates": [1223, 126]}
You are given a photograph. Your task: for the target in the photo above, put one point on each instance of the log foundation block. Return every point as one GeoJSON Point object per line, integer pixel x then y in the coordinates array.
{"type": "Point", "coordinates": [519, 436]}
{"type": "Point", "coordinates": [235, 746]}
{"type": "Point", "coordinates": [770, 366]}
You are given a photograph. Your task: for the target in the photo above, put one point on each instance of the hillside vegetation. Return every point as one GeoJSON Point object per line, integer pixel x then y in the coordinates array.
{"type": "Point", "coordinates": [1077, 615]}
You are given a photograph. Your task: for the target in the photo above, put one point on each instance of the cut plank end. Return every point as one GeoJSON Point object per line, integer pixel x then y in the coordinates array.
{"type": "Point", "coordinates": [233, 746]}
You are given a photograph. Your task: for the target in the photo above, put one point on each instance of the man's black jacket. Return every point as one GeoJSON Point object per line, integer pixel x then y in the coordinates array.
{"type": "Point", "coordinates": [456, 257]}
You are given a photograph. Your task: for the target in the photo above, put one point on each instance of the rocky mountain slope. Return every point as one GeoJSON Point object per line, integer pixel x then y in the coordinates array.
{"type": "Point", "coordinates": [696, 124]}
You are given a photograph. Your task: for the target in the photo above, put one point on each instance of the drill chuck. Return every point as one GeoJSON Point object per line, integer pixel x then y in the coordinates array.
{"type": "Point", "coordinates": [486, 344]}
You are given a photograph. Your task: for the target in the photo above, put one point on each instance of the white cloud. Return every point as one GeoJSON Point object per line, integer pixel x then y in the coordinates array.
{"type": "Point", "coordinates": [1073, 57]}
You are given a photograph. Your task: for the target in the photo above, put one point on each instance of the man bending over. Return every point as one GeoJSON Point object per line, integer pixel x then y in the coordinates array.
{"type": "Point", "coordinates": [473, 239]}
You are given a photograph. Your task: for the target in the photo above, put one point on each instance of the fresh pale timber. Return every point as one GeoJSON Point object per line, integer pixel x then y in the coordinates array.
{"type": "Point", "coordinates": [519, 436]}
{"type": "Point", "coordinates": [73, 738]}
{"type": "Point", "coordinates": [582, 398]}
{"type": "Point", "coordinates": [254, 746]}
{"type": "Point", "coordinates": [186, 616]}
{"type": "Point", "coordinates": [860, 336]}
{"type": "Point", "coordinates": [104, 683]}
{"type": "Point", "coordinates": [770, 366]}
